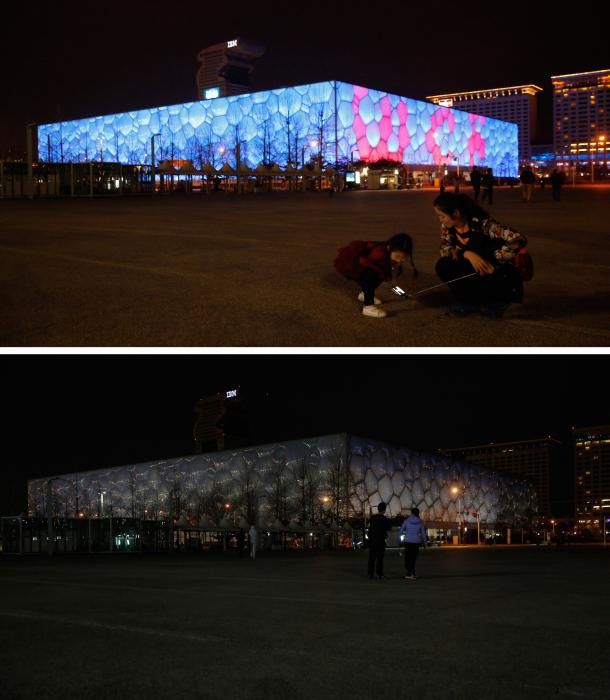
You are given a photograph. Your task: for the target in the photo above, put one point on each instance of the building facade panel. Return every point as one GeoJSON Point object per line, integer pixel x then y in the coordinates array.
{"type": "Point", "coordinates": [338, 121]}
{"type": "Point", "coordinates": [343, 474]}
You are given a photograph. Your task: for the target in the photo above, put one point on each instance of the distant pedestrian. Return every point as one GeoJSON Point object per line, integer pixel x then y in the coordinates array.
{"type": "Point", "coordinates": [475, 181]}
{"type": "Point", "coordinates": [528, 179]}
{"type": "Point", "coordinates": [378, 530]}
{"type": "Point", "coordinates": [370, 263]}
{"type": "Point", "coordinates": [488, 182]}
{"type": "Point", "coordinates": [241, 541]}
{"type": "Point", "coordinates": [252, 537]}
{"type": "Point", "coordinates": [473, 242]}
{"type": "Point", "coordinates": [556, 184]}
{"type": "Point", "coordinates": [413, 535]}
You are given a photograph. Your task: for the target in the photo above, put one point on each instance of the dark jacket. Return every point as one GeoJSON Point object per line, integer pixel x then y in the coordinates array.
{"type": "Point", "coordinates": [379, 526]}
{"type": "Point", "coordinates": [556, 180]}
{"type": "Point", "coordinates": [527, 177]}
{"type": "Point", "coordinates": [475, 178]}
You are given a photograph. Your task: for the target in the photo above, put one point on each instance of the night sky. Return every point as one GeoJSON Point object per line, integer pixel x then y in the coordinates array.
{"type": "Point", "coordinates": [73, 413]}
{"type": "Point", "coordinates": [70, 59]}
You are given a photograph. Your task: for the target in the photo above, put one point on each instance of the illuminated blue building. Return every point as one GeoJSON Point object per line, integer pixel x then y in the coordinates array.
{"type": "Point", "coordinates": [336, 121]}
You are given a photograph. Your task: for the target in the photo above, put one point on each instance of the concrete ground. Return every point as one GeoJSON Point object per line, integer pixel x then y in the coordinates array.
{"type": "Point", "coordinates": [495, 623]}
{"type": "Point", "coordinates": [256, 271]}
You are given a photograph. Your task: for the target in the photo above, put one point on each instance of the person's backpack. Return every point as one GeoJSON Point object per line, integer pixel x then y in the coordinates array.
{"type": "Point", "coordinates": [347, 262]}
{"type": "Point", "coordinates": [524, 263]}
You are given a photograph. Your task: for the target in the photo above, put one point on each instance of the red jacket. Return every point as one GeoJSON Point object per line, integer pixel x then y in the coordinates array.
{"type": "Point", "coordinates": [358, 256]}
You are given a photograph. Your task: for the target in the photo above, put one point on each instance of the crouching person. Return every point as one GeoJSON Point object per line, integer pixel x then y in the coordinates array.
{"type": "Point", "coordinates": [473, 242]}
{"type": "Point", "coordinates": [370, 263]}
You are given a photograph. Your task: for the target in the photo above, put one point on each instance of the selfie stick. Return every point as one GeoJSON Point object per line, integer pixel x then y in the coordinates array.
{"type": "Point", "coordinates": [401, 292]}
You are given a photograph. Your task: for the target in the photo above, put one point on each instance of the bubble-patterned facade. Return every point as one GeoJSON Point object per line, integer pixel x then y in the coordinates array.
{"type": "Point", "coordinates": [346, 122]}
{"type": "Point", "coordinates": [335, 476]}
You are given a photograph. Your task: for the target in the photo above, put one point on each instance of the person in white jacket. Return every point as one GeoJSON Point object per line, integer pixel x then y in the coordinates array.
{"type": "Point", "coordinates": [413, 534]}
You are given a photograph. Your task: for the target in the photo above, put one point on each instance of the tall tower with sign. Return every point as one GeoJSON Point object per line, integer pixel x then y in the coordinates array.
{"type": "Point", "coordinates": [226, 67]}
{"type": "Point", "coordinates": [221, 421]}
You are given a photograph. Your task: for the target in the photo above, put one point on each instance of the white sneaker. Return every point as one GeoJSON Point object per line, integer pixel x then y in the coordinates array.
{"type": "Point", "coordinates": [361, 298]}
{"type": "Point", "coordinates": [373, 312]}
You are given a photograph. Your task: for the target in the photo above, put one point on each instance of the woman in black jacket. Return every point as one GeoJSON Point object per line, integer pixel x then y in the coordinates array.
{"type": "Point", "coordinates": [473, 242]}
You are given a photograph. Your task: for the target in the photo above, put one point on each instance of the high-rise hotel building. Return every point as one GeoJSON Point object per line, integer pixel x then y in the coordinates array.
{"type": "Point", "coordinates": [592, 475]}
{"type": "Point", "coordinates": [517, 104]}
{"type": "Point", "coordinates": [581, 113]}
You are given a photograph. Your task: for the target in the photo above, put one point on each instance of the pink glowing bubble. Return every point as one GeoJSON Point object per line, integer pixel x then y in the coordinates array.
{"type": "Point", "coordinates": [359, 127]}
{"type": "Point", "coordinates": [360, 92]}
{"type": "Point", "coordinates": [385, 128]}
{"type": "Point", "coordinates": [386, 106]}
{"type": "Point", "coordinates": [364, 147]}
{"type": "Point", "coordinates": [403, 136]}
{"type": "Point", "coordinates": [403, 112]}
{"type": "Point", "coordinates": [382, 150]}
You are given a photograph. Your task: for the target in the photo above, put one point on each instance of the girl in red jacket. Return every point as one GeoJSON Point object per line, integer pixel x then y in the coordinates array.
{"type": "Point", "coordinates": [370, 263]}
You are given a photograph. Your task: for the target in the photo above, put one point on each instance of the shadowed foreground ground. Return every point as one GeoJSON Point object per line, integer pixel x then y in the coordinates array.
{"type": "Point", "coordinates": [505, 623]}
{"type": "Point", "coordinates": [256, 271]}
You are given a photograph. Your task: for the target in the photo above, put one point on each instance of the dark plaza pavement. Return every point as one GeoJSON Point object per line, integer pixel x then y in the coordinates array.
{"type": "Point", "coordinates": [527, 622]}
{"type": "Point", "coordinates": [256, 271]}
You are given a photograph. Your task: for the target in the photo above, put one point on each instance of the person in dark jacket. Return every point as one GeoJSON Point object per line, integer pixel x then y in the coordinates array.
{"type": "Point", "coordinates": [528, 179]}
{"type": "Point", "coordinates": [378, 530]}
{"type": "Point", "coordinates": [475, 181]}
{"type": "Point", "coordinates": [473, 242]}
{"type": "Point", "coordinates": [370, 263]}
{"type": "Point", "coordinates": [556, 179]}
{"type": "Point", "coordinates": [413, 534]}
{"type": "Point", "coordinates": [488, 182]}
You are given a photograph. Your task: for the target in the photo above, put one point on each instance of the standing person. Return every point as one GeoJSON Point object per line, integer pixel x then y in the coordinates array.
{"type": "Point", "coordinates": [528, 180]}
{"type": "Point", "coordinates": [378, 530]}
{"type": "Point", "coordinates": [414, 534]}
{"type": "Point", "coordinates": [371, 263]}
{"type": "Point", "coordinates": [556, 183]}
{"type": "Point", "coordinates": [488, 186]}
{"type": "Point", "coordinates": [252, 537]}
{"type": "Point", "coordinates": [475, 181]}
{"type": "Point", "coordinates": [473, 242]}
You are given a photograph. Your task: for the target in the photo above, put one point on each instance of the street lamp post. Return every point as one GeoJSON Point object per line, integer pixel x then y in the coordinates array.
{"type": "Point", "coordinates": [478, 527]}
{"type": "Point", "coordinates": [50, 533]}
{"type": "Point", "coordinates": [457, 491]}
{"type": "Point", "coordinates": [594, 153]}
{"type": "Point", "coordinates": [152, 163]}
{"type": "Point", "coordinates": [604, 523]}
